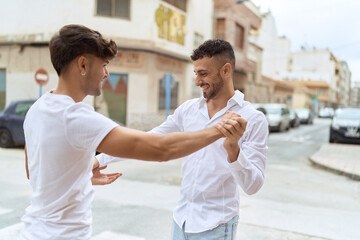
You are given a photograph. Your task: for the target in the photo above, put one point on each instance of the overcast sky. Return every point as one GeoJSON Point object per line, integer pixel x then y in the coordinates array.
{"type": "Point", "coordinates": [332, 24]}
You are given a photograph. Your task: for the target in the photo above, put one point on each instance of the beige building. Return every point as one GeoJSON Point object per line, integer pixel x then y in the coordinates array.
{"type": "Point", "coordinates": [236, 23]}
{"type": "Point", "coordinates": [330, 77]}
{"type": "Point", "coordinates": [279, 91]}
{"type": "Point", "coordinates": [344, 85]}
{"type": "Point", "coordinates": [355, 94]}
{"type": "Point", "coordinates": [155, 37]}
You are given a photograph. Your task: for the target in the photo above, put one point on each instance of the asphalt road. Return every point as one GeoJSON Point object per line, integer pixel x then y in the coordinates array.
{"type": "Point", "coordinates": [297, 201]}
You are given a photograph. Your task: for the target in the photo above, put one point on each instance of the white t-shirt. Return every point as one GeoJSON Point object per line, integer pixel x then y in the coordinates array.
{"type": "Point", "coordinates": [61, 140]}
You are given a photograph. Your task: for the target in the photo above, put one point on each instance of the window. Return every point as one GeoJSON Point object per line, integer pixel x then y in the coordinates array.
{"type": "Point", "coordinates": [113, 8]}
{"type": "Point", "coordinates": [174, 85]}
{"type": "Point", "coordinates": [253, 35]}
{"type": "Point", "coordinates": [181, 4]}
{"type": "Point", "coordinates": [195, 91]}
{"type": "Point", "coordinates": [252, 77]}
{"type": "Point", "coordinates": [22, 108]}
{"type": "Point", "coordinates": [198, 39]}
{"type": "Point", "coordinates": [239, 36]}
{"type": "Point", "coordinates": [220, 29]}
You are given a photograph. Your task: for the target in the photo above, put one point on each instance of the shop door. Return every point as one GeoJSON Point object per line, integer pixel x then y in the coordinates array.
{"type": "Point", "coordinates": [2, 89]}
{"type": "Point", "coordinates": [115, 95]}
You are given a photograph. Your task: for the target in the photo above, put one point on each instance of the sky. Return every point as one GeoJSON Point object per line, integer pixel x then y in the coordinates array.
{"type": "Point", "coordinates": [331, 24]}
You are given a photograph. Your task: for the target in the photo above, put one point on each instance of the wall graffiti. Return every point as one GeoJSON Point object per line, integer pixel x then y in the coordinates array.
{"type": "Point", "coordinates": [171, 24]}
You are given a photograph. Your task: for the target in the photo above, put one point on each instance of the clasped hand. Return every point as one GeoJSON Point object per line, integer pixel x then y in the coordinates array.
{"type": "Point", "coordinates": [232, 126]}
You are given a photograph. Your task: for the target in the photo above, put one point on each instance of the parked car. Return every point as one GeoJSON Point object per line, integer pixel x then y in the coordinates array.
{"type": "Point", "coordinates": [278, 116]}
{"type": "Point", "coordinates": [294, 118]}
{"type": "Point", "coordinates": [345, 126]}
{"type": "Point", "coordinates": [305, 115]}
{"type": "Point", "coordinates": [263, 110]}
{"type": "Point", "coordinates": [11, 123]}
{"type": "Point", "coordinates": [326, 113]}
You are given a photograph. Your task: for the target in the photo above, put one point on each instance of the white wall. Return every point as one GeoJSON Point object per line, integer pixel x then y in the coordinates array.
{"type": "Point", "coordinates": [315, 64]}
{"type": "Point", "coordinates": [40, 19]}
{"type": "Point", "coordinates": [276, 50]}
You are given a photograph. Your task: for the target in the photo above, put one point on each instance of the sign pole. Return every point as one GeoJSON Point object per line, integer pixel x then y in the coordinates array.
{"type": "Point", "coordinates": [167, 93]}
{"type": "Point", "coordinates": [41, 77]}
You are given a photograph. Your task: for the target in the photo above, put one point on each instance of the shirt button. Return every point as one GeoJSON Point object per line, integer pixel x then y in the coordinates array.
{"type": "Point", "coordinates": [190, 201]}
{"type": "Point", "coordinates": [193, 181]}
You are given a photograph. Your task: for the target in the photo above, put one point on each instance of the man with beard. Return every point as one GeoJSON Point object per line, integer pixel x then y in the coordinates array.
{"type": "Point", "coordinates": [209, 203]}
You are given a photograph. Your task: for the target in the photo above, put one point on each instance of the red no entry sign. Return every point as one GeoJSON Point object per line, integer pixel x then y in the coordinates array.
{"type": "Point", "coordinates": [41, 76]}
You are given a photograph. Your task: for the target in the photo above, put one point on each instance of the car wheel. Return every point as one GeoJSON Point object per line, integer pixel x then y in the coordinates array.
{"type": "Point", "coordinates": [5, 138]}
{"type": "Point", "coordinates": [331, 138]}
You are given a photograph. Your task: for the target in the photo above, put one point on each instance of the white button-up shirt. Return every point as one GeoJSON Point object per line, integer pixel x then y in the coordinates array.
{"type": "Point", "coordinates": [209, 189]}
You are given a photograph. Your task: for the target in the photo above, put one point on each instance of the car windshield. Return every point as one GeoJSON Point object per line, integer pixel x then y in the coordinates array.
{"type": "Point", "coordinates": [22, 108]}
{"type": "Point", "coordinates": [273, 110]}
{"type": "Point", "coordinates": [326, 110]}
{"type": "Point", "coordinates": [302, 111]}
{"type": "Point", "coordinates": [348, 115]}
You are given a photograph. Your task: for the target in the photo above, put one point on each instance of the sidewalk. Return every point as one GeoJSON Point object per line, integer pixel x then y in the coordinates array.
{"type": "Point", "coordinates": [341, 158]}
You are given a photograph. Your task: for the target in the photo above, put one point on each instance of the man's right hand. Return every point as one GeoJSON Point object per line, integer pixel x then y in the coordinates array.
{"type": "Point", "coordinates": [232, 124]}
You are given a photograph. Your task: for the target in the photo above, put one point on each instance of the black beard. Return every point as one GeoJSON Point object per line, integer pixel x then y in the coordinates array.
{"type": "Point", "coordinates": [216, 88]}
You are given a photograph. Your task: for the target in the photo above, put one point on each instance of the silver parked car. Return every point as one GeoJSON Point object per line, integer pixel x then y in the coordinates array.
{"type": "Point", "coordinates": [263, 110]}
{"type": "Point", "coordinates": [294, 119]}
{"type": "Point", "coordinates": [305, 115]}
{"type": "Point", "coordinates": [277, 115]}
{"type": "Point", "coordinates": [326, 113]}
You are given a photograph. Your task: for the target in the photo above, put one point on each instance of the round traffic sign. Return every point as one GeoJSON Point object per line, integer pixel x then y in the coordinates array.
{"type": "Point", "coordinates": [41, 76]}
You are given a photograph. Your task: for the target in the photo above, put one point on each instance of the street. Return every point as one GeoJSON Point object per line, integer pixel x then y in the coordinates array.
{"type": "Point", "coordinates": [297, 201]}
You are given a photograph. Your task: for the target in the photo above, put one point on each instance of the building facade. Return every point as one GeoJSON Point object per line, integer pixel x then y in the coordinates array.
{"type": "Point", "coordinates": [276, 54]}
{"type": "Point", "coordinates": [320, 65]}
{"type": "Point", "coordinates": [236, 23]}
{"type": "Point", "coordinates": [355, 94]}
{"type": "Point", "coordinates": [154, 38]}
{"type": "Point", "coordinates": [345, 85]}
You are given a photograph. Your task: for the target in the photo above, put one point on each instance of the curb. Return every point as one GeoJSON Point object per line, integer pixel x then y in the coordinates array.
{"type": "Point", "coordinates": [334, 170]}
{"type": "Point", "coordinates": [341, 159]}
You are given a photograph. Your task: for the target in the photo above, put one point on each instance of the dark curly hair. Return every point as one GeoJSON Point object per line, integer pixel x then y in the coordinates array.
{"type": "Point", "coordinates": [219, 48]}
{"type": "Point", "coordinates": [75, 40]}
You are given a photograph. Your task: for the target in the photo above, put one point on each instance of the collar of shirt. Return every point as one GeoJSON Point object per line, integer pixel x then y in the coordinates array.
{"type": "Point", "coordinates": [236, 99]}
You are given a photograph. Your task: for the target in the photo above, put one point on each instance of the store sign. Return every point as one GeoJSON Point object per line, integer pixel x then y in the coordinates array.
{"type": "Point", "coordinates": [128, 59]}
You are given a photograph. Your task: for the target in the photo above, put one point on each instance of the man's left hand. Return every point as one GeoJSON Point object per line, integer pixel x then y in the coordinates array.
{"type": "Point", "coordinates": [233, 129]}
{"type": "Point", "coordinates": [99, 178]}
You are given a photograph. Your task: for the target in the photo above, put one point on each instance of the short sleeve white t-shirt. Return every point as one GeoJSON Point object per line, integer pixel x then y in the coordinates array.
{"type": "Point", "coordinates": [61, 140]}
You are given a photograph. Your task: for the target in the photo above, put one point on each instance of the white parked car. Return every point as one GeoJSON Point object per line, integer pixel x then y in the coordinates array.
{"type": "Point", "coordinates": [326, 113]}
{"type": "Point", "coordinates": [278, 116]}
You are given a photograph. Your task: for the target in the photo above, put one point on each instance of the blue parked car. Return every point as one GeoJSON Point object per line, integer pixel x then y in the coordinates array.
{"type": "Point", "coordinates": [11, 123]}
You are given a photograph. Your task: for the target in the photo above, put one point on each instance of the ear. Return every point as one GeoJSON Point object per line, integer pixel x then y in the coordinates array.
{"type": "Point", "coordinates": [227, 70]}
{"type": "Point", "coordinates": [82, 64]}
